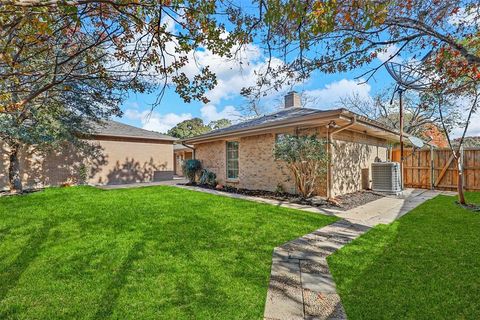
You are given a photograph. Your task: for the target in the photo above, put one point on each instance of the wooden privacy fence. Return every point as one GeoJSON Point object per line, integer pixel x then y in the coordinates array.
{"type": "Point", "coordinates": [437, 169]}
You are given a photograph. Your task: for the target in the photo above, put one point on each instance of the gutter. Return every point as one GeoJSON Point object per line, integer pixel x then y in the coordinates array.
{"type": "Point", "coordinates": [189, 147]}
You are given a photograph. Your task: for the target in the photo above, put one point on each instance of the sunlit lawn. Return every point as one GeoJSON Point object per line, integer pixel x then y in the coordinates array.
{"type": "Point", "coordinates": [424, 266]}
{"type": "Point", "coordinates": [146, 253]}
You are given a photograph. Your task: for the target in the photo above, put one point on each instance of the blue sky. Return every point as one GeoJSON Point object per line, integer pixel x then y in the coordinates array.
{"type": "Point", "coordinates": [226, 101]}
{"type": "Point", "coordinates": [232, 76]}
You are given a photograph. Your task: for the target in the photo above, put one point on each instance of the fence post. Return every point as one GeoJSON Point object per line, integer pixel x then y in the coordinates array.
{"type": "Point", "coordinates": [432, 167]}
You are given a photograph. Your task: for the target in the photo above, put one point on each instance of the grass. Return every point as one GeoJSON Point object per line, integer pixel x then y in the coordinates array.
{"type": "Point", "coordinates": [146, 253]}
{"type": "Point", "coordinates": [425, 265]}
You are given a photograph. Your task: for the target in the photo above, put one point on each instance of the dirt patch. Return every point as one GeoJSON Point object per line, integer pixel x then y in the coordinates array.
{"type": "Point", "coordinates": [344, 202]}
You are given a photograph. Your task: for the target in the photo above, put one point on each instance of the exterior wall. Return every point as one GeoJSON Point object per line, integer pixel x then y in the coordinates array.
{"type": "Point", "coordinates": [111, 162]}
{"type": "Point", "coordinates": [352, 156]}
{"type": "Point", "coordinates": [130, 162]}
{"type": "Point", "coordinates": [213, 157]}
{"type": "Point", "coordinates": [257, 168]}
{"type": "Point", "coordinates": [179, 157]}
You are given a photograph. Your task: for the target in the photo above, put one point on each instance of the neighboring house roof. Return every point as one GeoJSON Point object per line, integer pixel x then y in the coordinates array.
{"type": "Point", "coordinates": [294, 116]}
{"type": "Point", "coordinates": [112, 128]}
{"type": "Point", "coordinates": [181, 147]}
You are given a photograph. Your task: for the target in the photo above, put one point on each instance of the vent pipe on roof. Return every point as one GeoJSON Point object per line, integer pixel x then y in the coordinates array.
{"type": "Point", "coordinates": [292, 100]}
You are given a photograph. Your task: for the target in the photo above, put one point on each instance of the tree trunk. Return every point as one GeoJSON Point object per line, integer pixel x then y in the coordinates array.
{"type": "Point", "coordinates": [14, 178]}
{"type": "Point", "coordinates": [461, 196]}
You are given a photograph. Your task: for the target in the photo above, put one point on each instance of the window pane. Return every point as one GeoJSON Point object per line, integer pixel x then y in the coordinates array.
{"type": "Point", "coordinates": [232, 160]}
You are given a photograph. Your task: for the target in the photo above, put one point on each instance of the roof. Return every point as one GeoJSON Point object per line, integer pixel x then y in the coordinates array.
{"type": "Point", "coordinates": [112, 128]}
{"type": "Point", "coordinates": [181, 147]}
{"type": "Point", "coordinates": [291, 116]}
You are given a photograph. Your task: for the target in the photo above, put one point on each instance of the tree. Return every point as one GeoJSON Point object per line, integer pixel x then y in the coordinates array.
{"type": "Point", "coordinates": [189, 128]}
{"type": "Point", "coordinates": [57, 53]}
{"type": "Point", "coordinates": [194, 127]}
{"type": "Point", "coordinates": [421, 116]}
{"type": "Point", "coordinates": [219, 124]}
{"type": "Point", "coordinates": [307, 159]}
{"type": "Point", "coordinates": [337, 36]}
{"type": "Point", "coordinates": [470, 104]}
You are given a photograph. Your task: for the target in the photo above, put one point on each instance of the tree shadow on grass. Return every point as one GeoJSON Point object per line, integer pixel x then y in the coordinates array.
{"type": "Point", "coordinates": [30, 251]}
{"type": "Point", "coordinates": [119, 280]}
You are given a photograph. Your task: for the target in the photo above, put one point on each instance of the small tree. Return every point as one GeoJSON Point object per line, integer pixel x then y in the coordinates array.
{"type": "Point", "coordinates": [306, 157]}
{"type": "Point", "coordinates": [191, 168]}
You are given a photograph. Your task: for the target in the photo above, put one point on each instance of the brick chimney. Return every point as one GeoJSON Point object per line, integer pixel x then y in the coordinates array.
{"type": "Point", "coordinates": [292, 100]}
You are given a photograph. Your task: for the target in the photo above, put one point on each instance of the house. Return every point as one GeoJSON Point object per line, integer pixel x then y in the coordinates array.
{"type": "Point", "coordinates": [119, 154]}
{"type": "Point", "coordinates": [180, 154]}
{"type": "Point", "coordinates": [241, 155]}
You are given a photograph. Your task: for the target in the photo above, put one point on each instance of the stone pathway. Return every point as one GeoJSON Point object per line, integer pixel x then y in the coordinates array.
{"type": "Point", "coordinates": [301, 286]}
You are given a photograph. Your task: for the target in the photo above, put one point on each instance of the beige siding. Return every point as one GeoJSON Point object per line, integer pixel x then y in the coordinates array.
{"type": "Point", "coordinates": [116, 161]}
{"type": "Point", "coordinates": [129, 162]}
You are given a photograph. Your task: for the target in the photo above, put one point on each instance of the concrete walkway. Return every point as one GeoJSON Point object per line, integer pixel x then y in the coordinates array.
{"type": "Point", "coordinates": [301, 286]}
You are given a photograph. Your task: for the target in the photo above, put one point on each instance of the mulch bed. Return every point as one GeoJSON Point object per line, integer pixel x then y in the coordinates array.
{"type": "Point", "coordinates": [345, 202]}
{"type": "Point", "coordinates": [7, 193]}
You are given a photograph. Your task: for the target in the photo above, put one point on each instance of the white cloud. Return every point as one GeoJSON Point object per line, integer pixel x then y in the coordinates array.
{"type": "Point", "coordinates": [329, 96]}
{"type": "Point", "coordinates": [468, 17]}
{"type": "Point", "coordinates": [155, 121]}
{"type": "Point", "coordinates": [389, 52]}
{"type": "Point", "coordinates": [209, 113]}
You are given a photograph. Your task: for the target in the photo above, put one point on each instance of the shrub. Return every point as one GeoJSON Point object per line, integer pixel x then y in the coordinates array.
{"type": "Point", "coordinates": [306, 157]}
{"type": "Point", "coordinates": [191, 168]}
{"type": "Point", "coordinates": [208, 177]}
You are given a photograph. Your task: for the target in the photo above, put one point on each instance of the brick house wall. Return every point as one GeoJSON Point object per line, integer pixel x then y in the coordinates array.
{"type": "Point", "coordinates": [352, 154]}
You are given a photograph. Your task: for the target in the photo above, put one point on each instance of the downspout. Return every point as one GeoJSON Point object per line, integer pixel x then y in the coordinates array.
{"type": "Point", "coordinates": [353, 121]}
{"type": "Point", "coordinates": [193, 149]}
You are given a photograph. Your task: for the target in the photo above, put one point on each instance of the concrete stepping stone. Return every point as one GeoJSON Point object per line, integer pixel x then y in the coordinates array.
{"type": "Point", "coordinates": [285, 296]}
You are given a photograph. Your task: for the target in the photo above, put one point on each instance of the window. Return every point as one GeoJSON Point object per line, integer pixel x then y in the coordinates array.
{"type": "Point", "coordinates": [232, 160]}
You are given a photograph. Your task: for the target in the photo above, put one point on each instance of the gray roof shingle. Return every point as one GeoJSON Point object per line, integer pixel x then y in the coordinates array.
{"type": "Point", "coordinates": [285, 114]}
{"type": "Point", "coordinates": [272, 117]}
{"type": "Point", "coordinates": [116, 129]}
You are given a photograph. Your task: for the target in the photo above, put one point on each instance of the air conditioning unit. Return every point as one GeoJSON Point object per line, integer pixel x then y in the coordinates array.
{"type": "Point", "coordinates": [386, 177]}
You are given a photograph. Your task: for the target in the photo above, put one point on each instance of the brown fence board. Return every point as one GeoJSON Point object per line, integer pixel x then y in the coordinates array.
{"type": "Point", "coordinates": [417, 168]}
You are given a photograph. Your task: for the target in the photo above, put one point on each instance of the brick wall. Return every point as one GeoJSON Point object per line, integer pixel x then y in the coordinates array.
{"type": "Point", "coordinates": [258, 169]}
{"type": "Point", "coordinates": [352, 153]}
{"type": "Point", "coordinates": [213, 157]}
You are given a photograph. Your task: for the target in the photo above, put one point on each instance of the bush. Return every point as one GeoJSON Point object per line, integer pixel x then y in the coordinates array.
{"type": "Point", "coordinates": [208, 178]}
{"type": "Point", "coordinates": [191, 168]}
{"type": "Point", "coordinates": [306, 157]}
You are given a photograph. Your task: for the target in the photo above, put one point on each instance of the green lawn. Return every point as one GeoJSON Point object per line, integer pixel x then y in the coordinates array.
{"type": "Point", "coordinates": [146, 253]}
{"type": "Point", "coordinates": [424, 266]}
